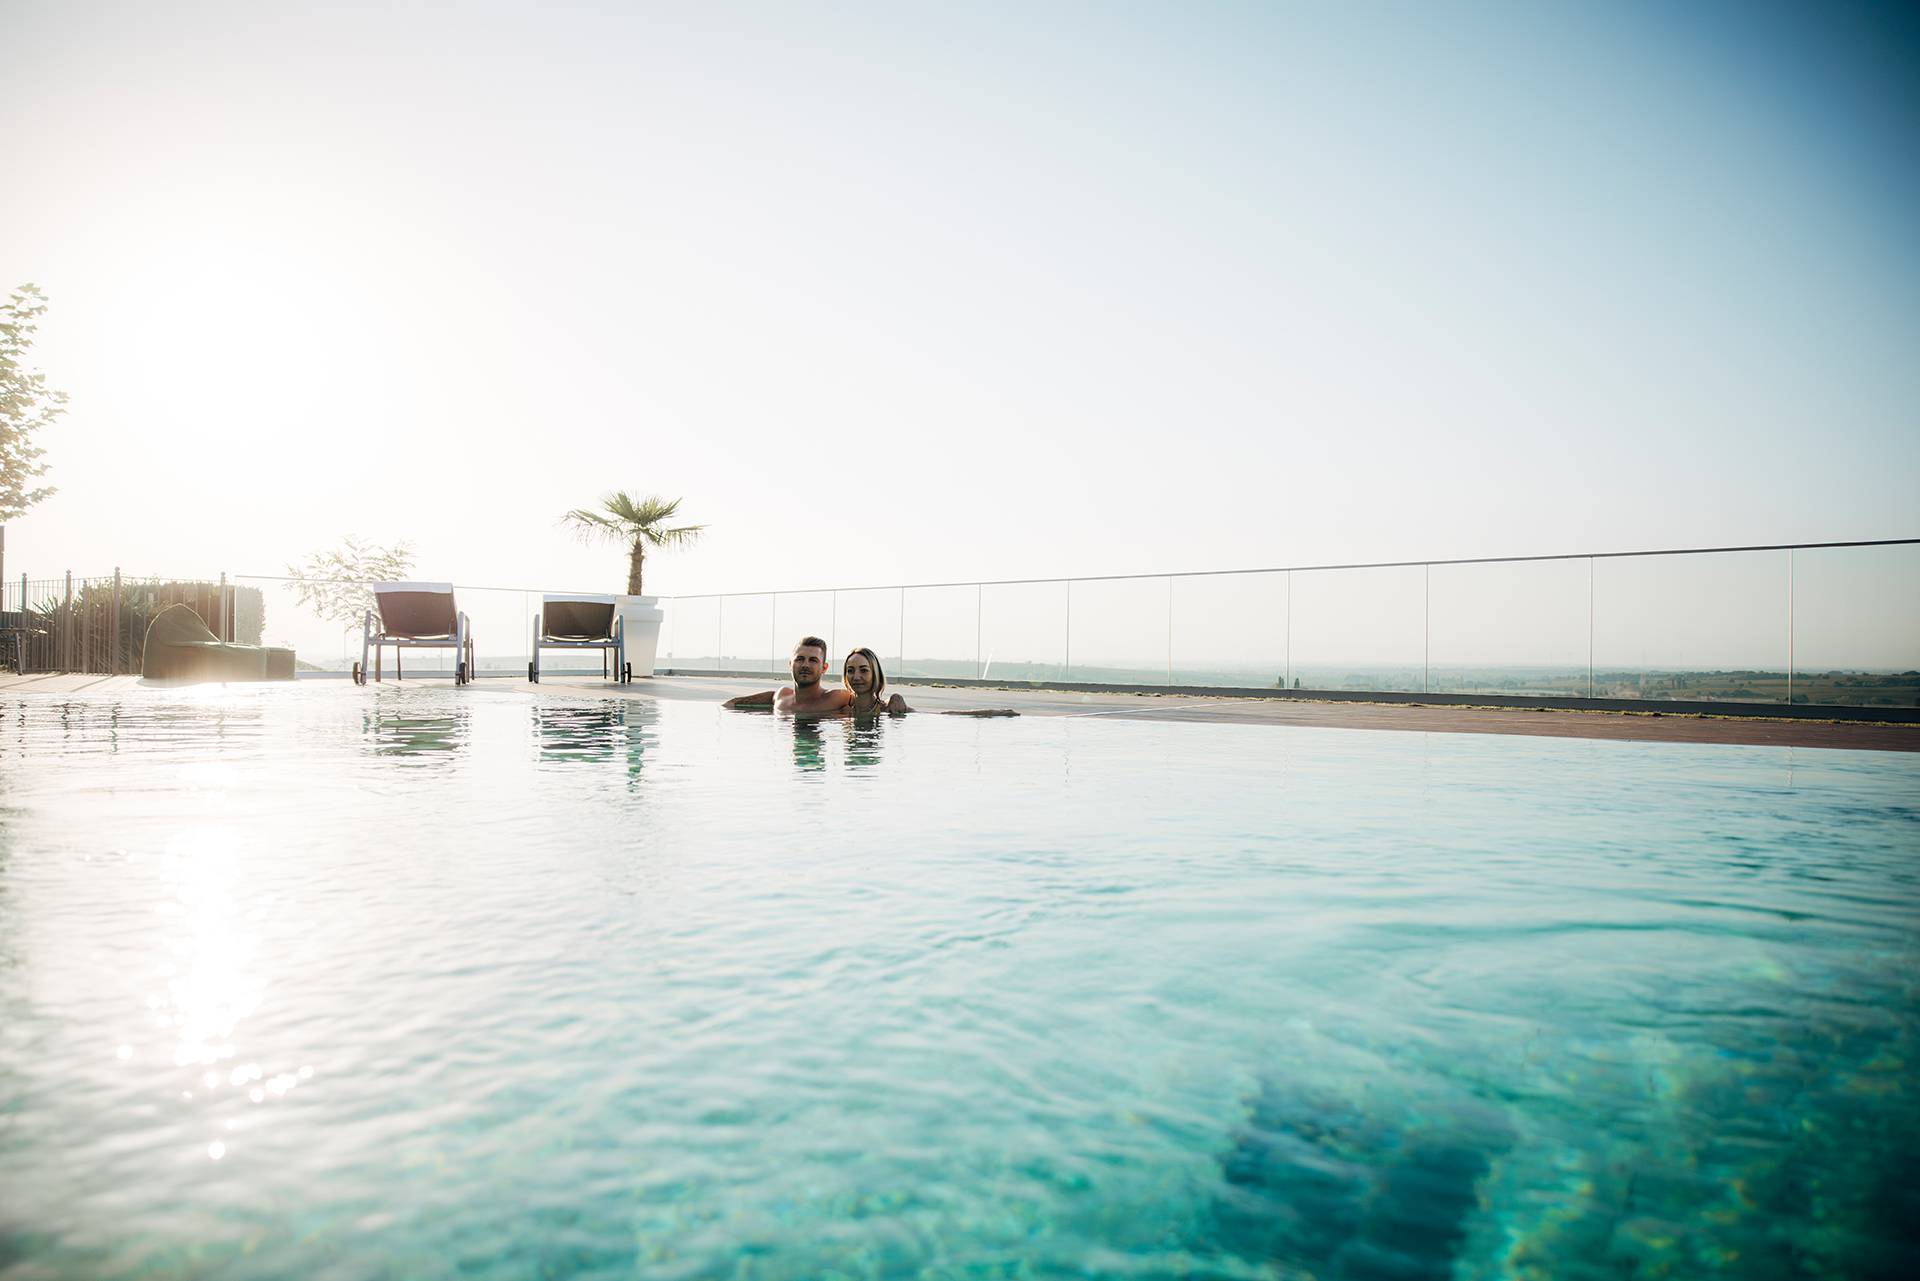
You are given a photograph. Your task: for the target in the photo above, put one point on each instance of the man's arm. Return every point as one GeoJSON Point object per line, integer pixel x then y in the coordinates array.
{"type": "Point", "coordinates": [752, 700]}
{"type": "Point", "coordinates": [899, 704]}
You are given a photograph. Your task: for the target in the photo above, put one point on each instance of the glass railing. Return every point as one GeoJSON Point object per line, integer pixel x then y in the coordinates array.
{"type": "Point", "coordinates": [1834, 624]}
{"type": "Point", "coordinates": [1827, 624]}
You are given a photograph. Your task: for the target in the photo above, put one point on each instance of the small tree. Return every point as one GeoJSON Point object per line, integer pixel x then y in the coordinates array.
{"type": "Point", "coordinates": [26, 405]}
{"type": "Point", "coordinates": [333, 584]}
{"type": "Point", "coordinates": [636, 524]}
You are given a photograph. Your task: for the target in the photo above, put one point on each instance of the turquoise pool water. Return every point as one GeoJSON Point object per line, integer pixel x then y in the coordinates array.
{"type": "Point", "coordinates": [330, 982]}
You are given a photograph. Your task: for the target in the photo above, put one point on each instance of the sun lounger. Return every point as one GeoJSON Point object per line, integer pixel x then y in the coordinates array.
{"type": "Point", "coordinates": [414, 616]}
{"type": "Point", "coordinates": [582, 622]}
{"type": "Point", "coordinates": [180, 648]}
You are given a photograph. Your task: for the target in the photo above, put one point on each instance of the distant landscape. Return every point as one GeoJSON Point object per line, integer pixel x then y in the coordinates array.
{"type": "Point", "coordinates": [1854, 688]}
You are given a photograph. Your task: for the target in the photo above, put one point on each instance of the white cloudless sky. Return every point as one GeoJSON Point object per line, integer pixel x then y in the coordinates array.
{"type": "Point", "coordinates": [911, 293]}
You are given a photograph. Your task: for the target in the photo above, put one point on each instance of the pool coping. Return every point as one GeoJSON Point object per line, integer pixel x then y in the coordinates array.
{"type": "Point", "coordinates": [1531, 702]}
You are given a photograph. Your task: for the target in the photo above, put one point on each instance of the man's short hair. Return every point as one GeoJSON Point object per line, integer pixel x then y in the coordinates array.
{"type": "Point", "coordinates": [813, 641]}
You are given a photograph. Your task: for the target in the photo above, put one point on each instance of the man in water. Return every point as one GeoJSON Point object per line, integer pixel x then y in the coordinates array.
{"type": "Point", "coordinates": [806, 696]}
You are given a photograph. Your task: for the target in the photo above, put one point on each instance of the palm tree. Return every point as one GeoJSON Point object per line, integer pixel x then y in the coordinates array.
{"type": "Point", "coordinates": [639, 523]}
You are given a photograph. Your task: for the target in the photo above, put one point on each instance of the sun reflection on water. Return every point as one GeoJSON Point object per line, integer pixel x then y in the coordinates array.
{"type": "Point", "coordinates": [210, 983]}
{"type": "Point", "coordinates": [210, 975]}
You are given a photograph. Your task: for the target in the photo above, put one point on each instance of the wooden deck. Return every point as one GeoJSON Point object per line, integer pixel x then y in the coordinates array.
{"type": "Point", "coordinates": [1644, 727]}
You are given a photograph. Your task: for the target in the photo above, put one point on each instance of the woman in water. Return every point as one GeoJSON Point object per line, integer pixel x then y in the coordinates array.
{"type": "Point", "coordinates": [865, 680]}
{"type": "Point", "coordinates": [867, 683]}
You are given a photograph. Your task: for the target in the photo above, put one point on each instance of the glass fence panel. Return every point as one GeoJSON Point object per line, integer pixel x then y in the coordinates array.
{"type": "Point", "coordinates": [942, 632]}
{"type": "Point", "coordinates": [1708, 626]}
{"type": "Point", "coordinates": [501, 625]}
{"type": "Point", "coordinates": [1023, 631]}
{"type": "Point", "coordinates": [693, 634]}
{"type": "Point", "coordinates": [1230, 630]}
{"type": "Point", "coordinates": [1360, 629]}
{"type": "Point", "coordinates": [323, 633]}
{"type": "Point", "coordinates": [1856, 626]}
{"type": "Point", "coordinates": [747, 640]}
{"type": "Point", "coordinates": [870, 618]}
{"type": "Point", "coordinates": [798, 614]}
{"type": "Point", "coordinates": [1515, 628]}
{"type": "Point", "coordinates": [1119, 633]}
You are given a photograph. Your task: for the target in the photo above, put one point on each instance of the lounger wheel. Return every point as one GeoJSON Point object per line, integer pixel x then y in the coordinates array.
{"type": "Point", "coordinates": [533, 675]}
{"type": "Point", "coordinates": [460, 676]}
{"type": "Point", "coordinates": [359, 675]}
{"type": "Point", "coordinates": [626, 675]}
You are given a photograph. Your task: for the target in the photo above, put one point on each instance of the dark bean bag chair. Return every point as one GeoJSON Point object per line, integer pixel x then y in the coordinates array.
{"type": "Point", "coordinates": [180, 648]}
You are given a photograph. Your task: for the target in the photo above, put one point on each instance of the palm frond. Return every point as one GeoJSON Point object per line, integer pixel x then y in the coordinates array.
{"type": "Point", "coordinates": [591, 526]}
{"type": "Point", "coordinates": [625, 518]}
{"type": "Point", "coordinates": [673, 537]}
{"type": "Point", "coordinates": [639, 512]}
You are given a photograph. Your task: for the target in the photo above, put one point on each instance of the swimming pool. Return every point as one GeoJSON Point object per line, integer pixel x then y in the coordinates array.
{"type": "Point", "coordinates": [321, 981]}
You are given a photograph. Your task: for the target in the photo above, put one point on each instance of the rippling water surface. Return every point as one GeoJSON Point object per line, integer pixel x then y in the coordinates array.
{"type": "Point", "coordinates": [321, 981]}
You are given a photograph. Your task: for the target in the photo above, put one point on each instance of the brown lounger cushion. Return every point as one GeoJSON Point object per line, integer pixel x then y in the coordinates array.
{"type": "Point", "coordinates": [579, 620]}
{"type": "Point", "coordinates": [416, 615]}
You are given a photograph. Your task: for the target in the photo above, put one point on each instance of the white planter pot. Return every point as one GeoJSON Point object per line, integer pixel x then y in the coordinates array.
{"type": "Point", "coordinates": [640, 623]}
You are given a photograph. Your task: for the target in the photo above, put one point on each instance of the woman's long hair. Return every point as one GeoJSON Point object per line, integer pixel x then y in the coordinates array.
{"type": "Point", "coordinates": [879, 674]}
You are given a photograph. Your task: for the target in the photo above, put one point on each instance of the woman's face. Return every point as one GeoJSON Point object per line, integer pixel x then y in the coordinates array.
{"type": "Point", "coordinates": [859, 674]}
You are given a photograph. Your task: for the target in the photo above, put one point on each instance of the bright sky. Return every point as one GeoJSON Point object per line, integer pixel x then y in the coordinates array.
{"type": "Point", "coordinates": [934, 292]}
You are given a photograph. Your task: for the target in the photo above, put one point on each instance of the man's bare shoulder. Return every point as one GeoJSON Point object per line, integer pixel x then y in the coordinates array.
{"type": "Point", "coordinates": [830, 701]}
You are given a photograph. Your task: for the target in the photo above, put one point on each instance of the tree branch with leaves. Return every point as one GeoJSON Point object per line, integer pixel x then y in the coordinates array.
{"type": "Point", "coordinates": [334, 584]}
{"type": "Point", "coordinates": [26, 405]}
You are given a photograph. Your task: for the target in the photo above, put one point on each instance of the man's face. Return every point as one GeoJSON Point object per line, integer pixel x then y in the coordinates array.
{"type": "Point", "coordinates": [809, 664]}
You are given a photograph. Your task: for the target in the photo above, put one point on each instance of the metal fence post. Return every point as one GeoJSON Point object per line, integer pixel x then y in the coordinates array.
{"type": "Point", "coordinates": [1590, 627]}
{"type": "Point", "coordinates": [65, 647]}
{"type": "Point", "coordinates": [1169, 629]}
{"type": "Point", "coordinates": [113, 656]}
{"type": "Point", "coordinates": [1066, 663]}
{"type": "Point", "coordinates": [979, 598]}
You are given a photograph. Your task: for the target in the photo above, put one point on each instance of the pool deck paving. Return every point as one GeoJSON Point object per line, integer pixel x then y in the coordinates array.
{"type": "Point", "coordinates": [1646, 727]}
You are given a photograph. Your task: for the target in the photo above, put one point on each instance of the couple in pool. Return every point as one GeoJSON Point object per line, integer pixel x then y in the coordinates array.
{"type": "Point", "coordinates": [864, 692]}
